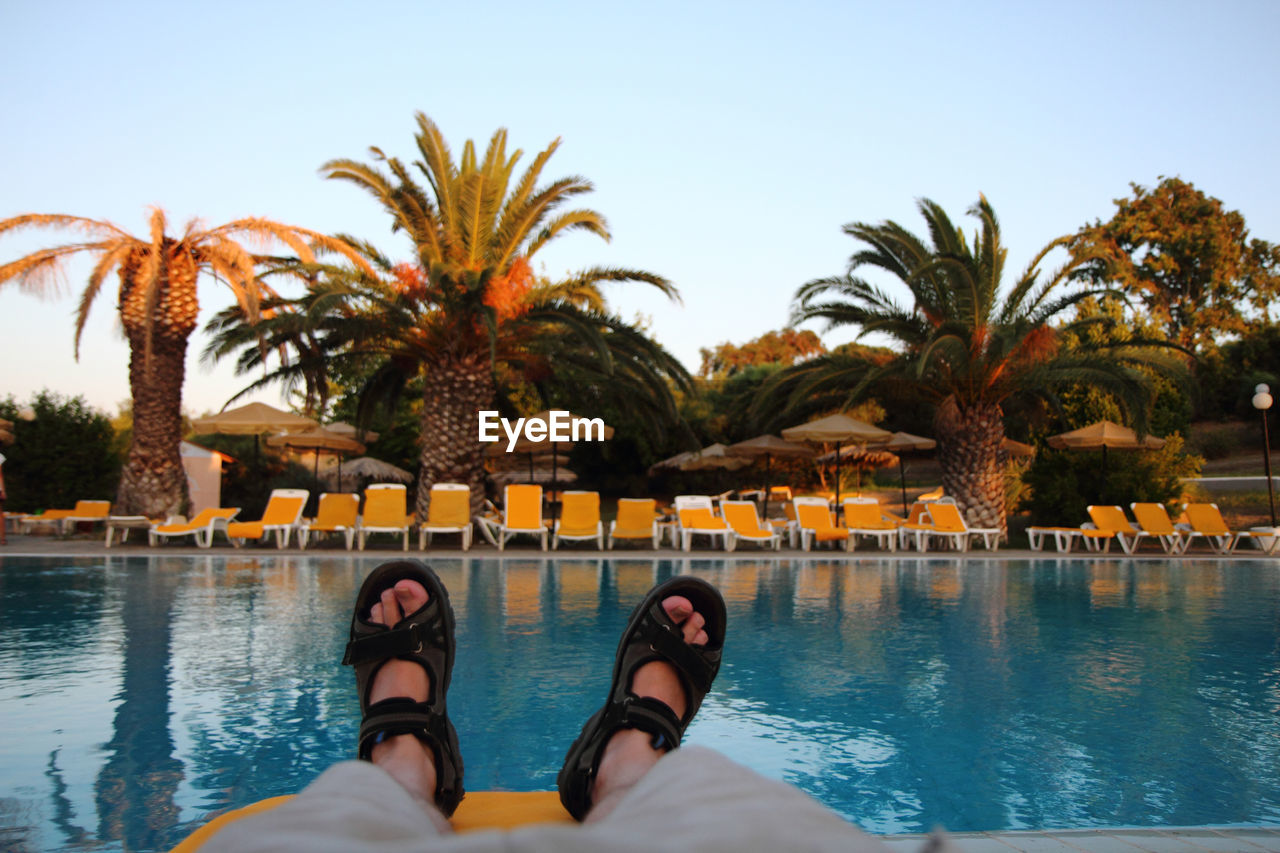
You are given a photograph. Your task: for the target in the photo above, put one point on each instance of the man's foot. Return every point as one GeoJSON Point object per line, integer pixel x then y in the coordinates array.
{"type": "Point", "coordinates": [404, 756]}
{"type": "Point", "coordinates": [402, 648]}
{"type": "Point", "coordinates": [630, 753]}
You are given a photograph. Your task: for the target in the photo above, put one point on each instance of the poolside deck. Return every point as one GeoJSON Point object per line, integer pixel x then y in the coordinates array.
{"type": "Point", "coordinates": [82, 544]}
{"type": "Point", "coordinates": [1248, 839]}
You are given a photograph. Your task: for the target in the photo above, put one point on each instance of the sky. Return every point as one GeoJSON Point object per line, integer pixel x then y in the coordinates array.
{"type": "Point", "coordinates": [728, 143]}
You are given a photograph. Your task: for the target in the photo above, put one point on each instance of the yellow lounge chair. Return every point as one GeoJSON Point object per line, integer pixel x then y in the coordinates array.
{"type": "Point", "coordinates": [864, 517]}
{"type": "Point", "coordinates": [1112, 521]}
{"type": "Point", "coordinates": [695, 517]}
{"type": "Point", "coordinates": [637, 519]}
{"type": "Point", "coordinates": [1206, 521]}
{"type": "Point", "coordinates": [917, 515]}
{"type": "Point", "coordinates": [338, 512]}
{"type": "Point", "coordinates": [282, 516]}
{"type": "Point", "coordinates": [1154, 523]}
{"type": "Point", "coordinates": [201, 528]}
{"type": "Point", "coordinates": [384, 512]}
{"type": "Point", "coordinates": [521, 514]}
{"type": "Point", "coordinates": [948, 523]}
{"type": "Point", "coordinates": [814, 522]}
{"type": "Point", "coordinates": [745, 523]}
{"type": "Point", "coordinates": [86, 511]}
{"type": "Point", "coordinates": [52, 517]}
{"type": "Point", "coordinates": [579, 519]}
{"type": "Point", "coordinates": [449, 511]}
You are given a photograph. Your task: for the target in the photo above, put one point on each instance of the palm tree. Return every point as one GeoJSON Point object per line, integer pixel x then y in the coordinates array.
{"type": "Point", "coordinates": [554, 341]}
{"type": "Point", "coordinates": [158, 310]}
{"type": "Point", "coordinates": [469, 304]}
{"type": "Point", "coordinates": [964, 348]}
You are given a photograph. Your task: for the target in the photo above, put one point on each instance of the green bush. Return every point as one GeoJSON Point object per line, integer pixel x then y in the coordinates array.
{"type": "Point", "coordinates": [1064, 482]}
{"type": "Point", "coordinates": [62, 455]}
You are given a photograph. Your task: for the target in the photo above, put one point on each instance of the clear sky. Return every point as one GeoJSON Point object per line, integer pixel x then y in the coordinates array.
{"type": "Point", "coordinates": [728, 142]}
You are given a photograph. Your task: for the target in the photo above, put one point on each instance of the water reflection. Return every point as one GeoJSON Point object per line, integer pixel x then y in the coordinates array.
{"type": "Point", "coordinates": [903, 693]}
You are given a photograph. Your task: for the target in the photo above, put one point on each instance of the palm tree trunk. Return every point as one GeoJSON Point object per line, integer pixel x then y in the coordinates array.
{"type": "Point", "coordinates": [969, 452]}
{"type": "Point", "coordinates": [153, 482]}
{"type": "Point", "coordinates": [452, 395]}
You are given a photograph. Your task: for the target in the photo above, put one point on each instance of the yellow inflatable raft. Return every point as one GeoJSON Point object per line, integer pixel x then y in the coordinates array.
{"type": "Point", "coordinates": [478, 810]}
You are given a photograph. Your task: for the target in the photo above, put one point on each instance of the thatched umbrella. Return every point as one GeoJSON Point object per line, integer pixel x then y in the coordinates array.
{"type": "Point", "coordinates": [838, 428]}
{"type": "Point", "coordinates": [378, 471]}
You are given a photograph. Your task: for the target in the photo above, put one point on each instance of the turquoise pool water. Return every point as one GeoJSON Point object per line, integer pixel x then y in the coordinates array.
{"type": "Point", "coordinates": [139, 695]}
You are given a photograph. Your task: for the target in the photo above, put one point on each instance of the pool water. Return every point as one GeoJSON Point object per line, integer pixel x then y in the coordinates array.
{"type": "Point", "coordinates": [140, 695]}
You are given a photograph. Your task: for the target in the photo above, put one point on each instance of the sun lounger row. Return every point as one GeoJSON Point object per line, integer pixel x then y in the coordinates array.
{"type": "Point", "coordinates": [1199, 521]}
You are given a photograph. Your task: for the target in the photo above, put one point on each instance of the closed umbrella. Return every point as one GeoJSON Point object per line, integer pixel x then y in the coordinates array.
{"type": "Point", "coordinates": [769, 446]}
{"type": "Point", "coordinates": [838, 428]}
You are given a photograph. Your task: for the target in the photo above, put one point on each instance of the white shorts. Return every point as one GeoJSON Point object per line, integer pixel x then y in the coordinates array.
{"type": "Point", "coordinates": [693, 799]}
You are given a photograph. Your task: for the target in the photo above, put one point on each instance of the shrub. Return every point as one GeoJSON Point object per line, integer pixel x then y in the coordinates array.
{"type": "Point", "coordinates": [62, 455]}
{"type": "Point", "coordinates": [1064, 482]}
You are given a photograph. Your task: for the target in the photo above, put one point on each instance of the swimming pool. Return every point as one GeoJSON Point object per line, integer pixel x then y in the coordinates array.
{"type": "Point", "coordinates": [908, 693]}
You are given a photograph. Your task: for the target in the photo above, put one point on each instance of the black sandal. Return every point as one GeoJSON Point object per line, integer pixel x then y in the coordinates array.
{"type": "Point", "coordinates": [650, 635]}
{"type": "Point", "coordinates": [424, 637]}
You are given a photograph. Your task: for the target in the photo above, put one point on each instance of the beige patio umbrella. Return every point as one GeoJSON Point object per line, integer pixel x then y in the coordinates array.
{"type": "Point", "coordinates": [900, 443]}
{"type": "Point", "coordinates": [1017, 448]}
{"type": "Point", "coordinates": [342, 428]}
{"type": "Point", "coordinates": [838, 428]}
{"type": "Point", "coordinates": [673, 463]}
{"type": "Point", "coordinates": [712, 457]}
{"type": "Point", "coordinates": [1104, 434]}
{"type": "Point", "coordinates": [252, 419]}
{"type": "Point", "coordinates": [318, 439]}
{"type": "Point", "coordinates": [769, 446]}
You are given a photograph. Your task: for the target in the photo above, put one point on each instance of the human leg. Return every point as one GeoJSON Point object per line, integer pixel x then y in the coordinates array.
{"type": "Point", "coordinates": [393, 799]}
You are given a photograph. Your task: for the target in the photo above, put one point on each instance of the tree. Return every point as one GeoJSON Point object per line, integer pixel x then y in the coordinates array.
{"type": "Point", "coordinates": [784, 347]}
{"type": "Point", "coordinates": [61, 455]}
{"type": "Point", "coordinates": [964, 348]}
{"type": "Point", "coordinates": [468, 317]}
{"type": "Point", "coordinates": [158, 309]}
{"type": "Point", "coordinates": [1185, 258]}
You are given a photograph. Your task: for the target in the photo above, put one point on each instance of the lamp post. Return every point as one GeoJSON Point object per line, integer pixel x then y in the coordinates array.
{"type": "Point", "coordinates": [1262, 402]}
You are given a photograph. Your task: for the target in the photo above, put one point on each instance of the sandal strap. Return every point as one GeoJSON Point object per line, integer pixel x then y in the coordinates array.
{"type": "Point", "coordinates": [408, 638]}
{"type": "Point", "coordinates": [399, 716]}
{"type": "Point", "coordinates": [668, 641]}
{"type": "Point", "coordinates": [648, 715]}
